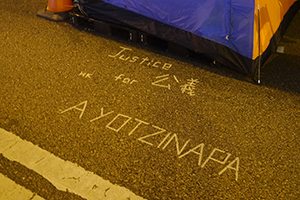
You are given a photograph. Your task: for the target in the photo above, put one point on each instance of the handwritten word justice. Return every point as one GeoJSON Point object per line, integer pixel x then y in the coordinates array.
{"type": "Point", "coordinates": [120, 121]}
{"type": "Point", "coordinates": [142, 61]}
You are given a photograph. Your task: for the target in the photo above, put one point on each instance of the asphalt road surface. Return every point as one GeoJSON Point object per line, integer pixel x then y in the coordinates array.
{"type": "Point", "coordinates": [148, 123]}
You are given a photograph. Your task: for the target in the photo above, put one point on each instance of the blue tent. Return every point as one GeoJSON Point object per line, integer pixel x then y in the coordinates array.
{"type": "Point", "coordinates": [238, 33]}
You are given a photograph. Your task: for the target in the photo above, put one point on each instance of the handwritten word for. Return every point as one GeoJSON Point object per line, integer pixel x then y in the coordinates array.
{"type": "Point", "coordinates": [120, 121]}
{"type": "Point", "coordinates": [125, 79]}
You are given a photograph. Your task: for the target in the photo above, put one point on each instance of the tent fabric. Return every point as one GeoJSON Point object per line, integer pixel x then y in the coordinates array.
{"type": "Point", "coordinates": [272, 13]}
{"type": "Point", "coordinates": [210, 19]}
{"type": "Point", "coordinates": [226, 31]}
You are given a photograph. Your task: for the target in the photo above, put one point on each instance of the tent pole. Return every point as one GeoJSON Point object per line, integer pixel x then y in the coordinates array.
{"type": "Point", "coordinates": [259, 50]}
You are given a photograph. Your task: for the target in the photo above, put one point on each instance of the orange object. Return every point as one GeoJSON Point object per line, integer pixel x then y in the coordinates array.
{"type": "Point", "coordinates": [57, 10]}
{"type": "Point", "coordinates": [57, 6]}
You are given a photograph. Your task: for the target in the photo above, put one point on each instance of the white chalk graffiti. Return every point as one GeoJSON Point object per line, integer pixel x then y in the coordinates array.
{"type": "Point", "coordinates": [85, 74]}
{"type": "Point", "coordinates": [124, 79]}
{"type": "Point", "coordinates": [165, 81]}
{"type": "Point", "coordinates": [189, 87]}
{"type": "Point", "coordinates": [162, 81]}
{"type": "Point", "coordinates": [161, 138]}
{"type": "Point", "coordinates": [141, 60]}
{"type": "Point", "coordinates": [162, 78]}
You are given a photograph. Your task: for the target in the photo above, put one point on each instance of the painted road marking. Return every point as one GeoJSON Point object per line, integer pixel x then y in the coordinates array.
{"type": "Point", "coordinates": [9, 190]}
{"type": "Point", "coordinates": [64, 175]}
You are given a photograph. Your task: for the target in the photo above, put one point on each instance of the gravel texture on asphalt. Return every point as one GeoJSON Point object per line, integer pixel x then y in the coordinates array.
{"type": "Point", "coordinates": [189, 130]}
